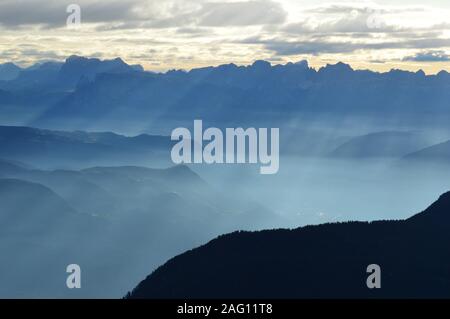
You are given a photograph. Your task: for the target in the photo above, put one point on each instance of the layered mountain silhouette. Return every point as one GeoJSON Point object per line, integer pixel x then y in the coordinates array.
{"type": "Point", "coordinates": [439, 153]}
{"type": "Point", "coordinates": [102, 218]}
{"type": "Point", "coordinates": [82, 149]}
{"type": "Point", "coordinates": [255, 92]}
{"type": "Point", "coordinates": [82, 93]}
{"type": "Point", "coordinates": [37, 227]}
{"type": "Point", "coordinates": [382, 145]}
{"type": "Point", "coordinates": [78, 68]}
{"type": "Point", "coordinates": [87, 195]}
{"type": "Point", "coordinates": [48, 208]}
{"type": "Point", "coordinates": [79, 148]}
{"type": "Point", "coordinates": [326, 261]}
{"type": "Point", "coordinates": [54, 76]}
{"type": "Point", "coordinates": [25, 94]}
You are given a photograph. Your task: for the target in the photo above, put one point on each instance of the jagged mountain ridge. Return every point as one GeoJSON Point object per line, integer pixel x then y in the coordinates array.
{"type": "Point", "coordinates": [83, 93]}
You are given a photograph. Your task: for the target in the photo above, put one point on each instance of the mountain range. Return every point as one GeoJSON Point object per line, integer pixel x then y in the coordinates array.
{"type": "Point", "coordinates": [83, 93]}
{"type": "Point", "coordinates": [78, 139]}
{"type": "Point", "coordinates": [107, 219]}
{"type": "Point", "coordinates": [60, 76]}
{"type": "Point", "coordinates": [325, 261]}
{"type": "Point", "coordinates": [388, 144]}
{"type": "Point", "coordinates": [78, 149]}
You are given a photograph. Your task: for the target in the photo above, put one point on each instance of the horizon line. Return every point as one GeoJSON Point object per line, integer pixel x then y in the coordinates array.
{"type": "Point", "coordinates": [313, 66]}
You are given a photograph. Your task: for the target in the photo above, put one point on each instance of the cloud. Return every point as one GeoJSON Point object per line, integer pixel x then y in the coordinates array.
{"type": "Point", "coordinates": [211, 31]}
{"type": "Point", "coordinates": [308, 47]}
{"type": "Point", "coordinates": [41, 55]}
{"type": "Point", "coordinates": [315, 47]}
{"type": "Point", "coordinates": [193, 31]}
{"type": "Point", "coordinates": [334, 8]}
{"type": "Point", "coordinates": [332, 18]}
{"type": "Point", "coordinates": [366, 21]}
{"type": "Point", "coordinates": [50, 14]}
{"type": "Point", "coordinates": [133, 14]}
{"type": "Point", "coordinates": [365, 18]}
{"type": "Point", "coordinates": [428, 56]}
{"type": "Point", "coordinates": [340, 29]}
{"type": "Point", "coordinates": [241, 13]}
{"type": "Point", "coordinates": [26, 55]}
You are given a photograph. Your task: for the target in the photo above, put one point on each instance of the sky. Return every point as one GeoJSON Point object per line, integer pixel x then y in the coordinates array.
{"type": "Point", "coordinates": [184, 34]}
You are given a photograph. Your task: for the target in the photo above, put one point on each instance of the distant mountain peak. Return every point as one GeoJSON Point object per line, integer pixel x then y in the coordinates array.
{"type": "Point", "coordinates": [78, 68]}
{"type": "Point", "coordinates": [118, 59]}
{"type": "Point", "coordinates": [421, 73]}
{"type": "Point", "coordinates": [399, 71]}
{"type": "Point", "coordinates": [80, 59]}
{"type": "Point", "coordinates": [338, 67]}
{"type": "Point", "coordinates": [74, 58]}
{"type": "Point", "coordinates": [228, 66]}
{"type": "Point", "coordinates": [261, 64]}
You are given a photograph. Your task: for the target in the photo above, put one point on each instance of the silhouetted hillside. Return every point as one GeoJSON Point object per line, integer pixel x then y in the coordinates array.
{"type": "Point", "coordinates": [8, 167]}
{"type": "Point", "coordinates": [439, 153]}
{"type": "Point", "coordinates": [17, 196]}
{"type": "Point", "coordinates": [32, 209]}
{"type": "Point", "coordinates": [103, 217]}
{"type": "Point", "coordinates": [78, 148]}
{"type": "Point", "coordinates": [327, 261]}
{"type": "Point", "coordinates": [382, 144]}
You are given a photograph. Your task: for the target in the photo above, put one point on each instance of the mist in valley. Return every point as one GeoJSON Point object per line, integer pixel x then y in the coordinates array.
{"type": "Point", "coordinates": [122, 218]}
{"type": "Point", "coordinates": [86, 175]}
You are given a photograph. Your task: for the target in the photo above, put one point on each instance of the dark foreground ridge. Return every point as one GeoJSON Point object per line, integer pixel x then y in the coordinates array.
{"type": "Point", "coordinates": [326, 261]}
